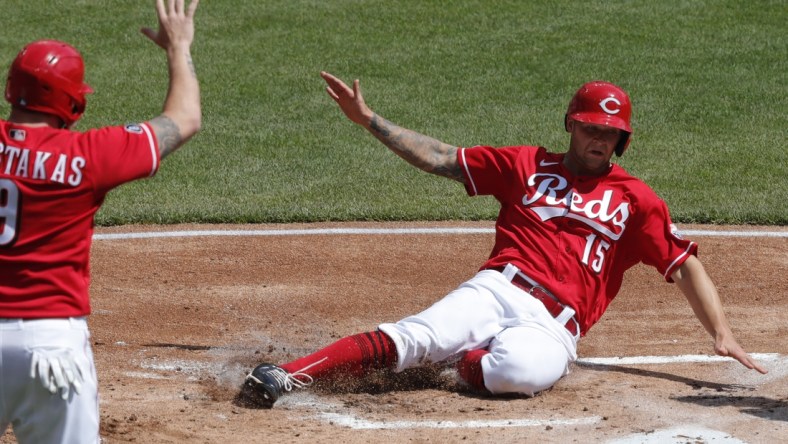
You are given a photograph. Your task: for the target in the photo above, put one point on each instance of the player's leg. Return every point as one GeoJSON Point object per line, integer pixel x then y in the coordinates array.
{"type": "Point", "coordinates": [352, 356]}
{"type": "Point", "coordinates": [466, 318]}
{"type": "Point", "coordinates": [7, 381]}
{"type": "Point", "coordinates": [41, 416]}
{"type": "Point", "coordinates": [525, 359]}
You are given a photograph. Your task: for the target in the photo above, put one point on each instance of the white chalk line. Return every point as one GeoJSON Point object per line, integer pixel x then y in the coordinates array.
{"type": "Point", "coordinates": [362, 424]}
{"type": "Point", "coordinates": [379, 231]}
{"type": "Point", "coordinates": [194, 367]}
{"type": "Point", "coordinates": [635, 360]}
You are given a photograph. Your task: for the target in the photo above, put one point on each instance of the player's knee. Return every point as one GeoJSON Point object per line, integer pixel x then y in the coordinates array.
{"type": "Point", "coordinates": [415, 344]}
{"type": "Point", "coordinates": [521, 376]}
{"type": "Point", "coordinates": [521, 383]}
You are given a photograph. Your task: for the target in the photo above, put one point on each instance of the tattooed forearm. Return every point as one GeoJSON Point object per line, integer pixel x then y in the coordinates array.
{"type": "Point", "coordinates": [423, 152]}
{"type": "Point", "coordinates": [190, 63]}
{"type": "Point", "coordinates": [167, 133]}
{"type": "Point", "coordinates": [378, 123]}
{"type": "Point", "coordinates": [451, 170]}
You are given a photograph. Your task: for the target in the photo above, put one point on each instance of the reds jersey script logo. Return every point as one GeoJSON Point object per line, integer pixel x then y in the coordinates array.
{"type": "Point", "coordinates": [602, 215]}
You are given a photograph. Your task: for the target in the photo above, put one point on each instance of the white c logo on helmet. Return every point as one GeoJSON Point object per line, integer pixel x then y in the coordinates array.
{"type": "Point", "coordinates": [603, 105]}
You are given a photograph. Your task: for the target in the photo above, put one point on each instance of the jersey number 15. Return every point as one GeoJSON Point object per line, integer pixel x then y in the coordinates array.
{"type": "Point", "coordinates": [599, 255]}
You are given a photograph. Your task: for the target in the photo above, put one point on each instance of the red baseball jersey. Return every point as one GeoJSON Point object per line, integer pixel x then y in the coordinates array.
{"type": "Point", "coordinates": [574, 235]}
{"type": "Point", "coordinates": [52, 182]}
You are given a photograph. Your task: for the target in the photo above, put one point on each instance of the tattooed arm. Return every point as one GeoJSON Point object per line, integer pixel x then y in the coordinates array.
{"type": "Point", "coordinates": [181, 117]}
{"type": "Point", "coordinates": [423, 152]}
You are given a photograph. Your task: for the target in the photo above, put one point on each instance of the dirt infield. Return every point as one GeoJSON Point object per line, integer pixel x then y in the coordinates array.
{"type": "Point", "coordinates": [178, 321]}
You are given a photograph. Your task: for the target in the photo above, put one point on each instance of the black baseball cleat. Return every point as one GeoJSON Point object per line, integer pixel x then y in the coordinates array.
{"type": "Point", "coordinates": [267, 382]}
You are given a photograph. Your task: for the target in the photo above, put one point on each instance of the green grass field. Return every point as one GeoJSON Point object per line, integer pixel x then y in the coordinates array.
{"type": "Point", "coordinates": [707, 80]}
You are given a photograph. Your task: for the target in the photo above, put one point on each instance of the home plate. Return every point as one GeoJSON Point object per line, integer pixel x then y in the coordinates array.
{"type": "Point", "coordinates": [680, 435]}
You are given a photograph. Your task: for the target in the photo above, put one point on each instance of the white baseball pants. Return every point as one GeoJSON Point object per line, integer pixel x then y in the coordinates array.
{"type": "Point", "coordinates": [529, 350]}
{"type": "Point", "coordinates": [36, 415]}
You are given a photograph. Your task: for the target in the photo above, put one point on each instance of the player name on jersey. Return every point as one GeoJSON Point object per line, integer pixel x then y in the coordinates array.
{"type": "Point", "coordinates": [41, 165]}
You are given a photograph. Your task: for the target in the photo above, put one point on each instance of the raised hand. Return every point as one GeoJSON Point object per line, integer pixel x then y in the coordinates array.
{"type": "Point", "coordinates": [176, 24]}
{"type": "Point", "coordinates": [349, 100]}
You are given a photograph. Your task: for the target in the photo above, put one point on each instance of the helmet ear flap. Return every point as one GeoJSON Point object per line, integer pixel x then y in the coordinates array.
{"type": "Point", "coordinates": [623, 144]}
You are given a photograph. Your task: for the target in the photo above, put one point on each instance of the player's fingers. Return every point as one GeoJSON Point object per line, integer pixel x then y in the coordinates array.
{"type": "Point", "coordinates": [68, 368]}
{"type": "Point", "coordinates": [327, 77]}
{"type": "Point", "coordinates": [45, 373]}
{"type": "Point", "coordinates": [160, 11]}
{"type": "Point", "coordinates": [149, 33]}
{"type": "Point", "coordinates": [61, 380]}
{"type": "Point", "coordinates": [332, 93]}
{"type": "Point", "coordinates": [357, 91]}
{"type": "Point", "coordinates": [192, 8]}
{"type": "Point", "coordinates": [34, 364]}
{"type": "Point", "coordinates": [57, 374]}
{"type": "Point", "coordinates": [753, 364]}
{"type": "Point", "coordinates": [77, 386]}
{"type": "Point", "coordinates": [42, 365]}
{"type": "Point", "coordinates": [740, 355]}
{"type": "Point", "coordinates": [335, 84]}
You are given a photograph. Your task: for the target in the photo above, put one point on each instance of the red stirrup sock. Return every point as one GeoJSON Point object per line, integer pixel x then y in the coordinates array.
{"type": "Point", "coordinates": [352, 355]}
{"type": "Point", "coordinates": [470, 368]}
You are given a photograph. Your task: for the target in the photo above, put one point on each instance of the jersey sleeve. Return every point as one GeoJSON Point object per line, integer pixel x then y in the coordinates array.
{"type": "Point", "coordinates": [659, 242]}
{"type": "Point", "coordinates": [487, 168]}
{"type": "Point", "coordinates": [120, 154]}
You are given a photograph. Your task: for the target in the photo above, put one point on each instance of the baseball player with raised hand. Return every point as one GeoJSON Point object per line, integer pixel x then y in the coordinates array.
{"type": "Point", "coordinates": [52, 181]}
{"type": "Point", "coordinates": [569, 226]}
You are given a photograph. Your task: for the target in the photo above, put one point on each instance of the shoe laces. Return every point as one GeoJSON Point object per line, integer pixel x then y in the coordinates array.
{"type": "Point", "coordinates": [289, 381]}
{"type": "Point", "coordinates": [297, 379]}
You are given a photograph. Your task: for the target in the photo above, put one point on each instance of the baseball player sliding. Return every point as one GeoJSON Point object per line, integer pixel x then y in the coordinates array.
{"type": "Point", "coordinates": [570, 225]}
{"type": "Point", "coordinates": [52, 182]}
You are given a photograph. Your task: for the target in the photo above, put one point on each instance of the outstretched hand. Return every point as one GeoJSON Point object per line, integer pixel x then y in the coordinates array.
{"type": "Point", "coordinates": [349, 100]}
{"type": "Point", "coordinates": [176, 24]}
{"type": "Point", "coordinates": [729, 347]}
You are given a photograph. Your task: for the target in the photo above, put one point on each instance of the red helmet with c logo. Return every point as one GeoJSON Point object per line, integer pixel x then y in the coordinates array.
{"type": "Point", "coordinates": [602, 103]}
{"type": "Point", "coordinates": [48, 76]}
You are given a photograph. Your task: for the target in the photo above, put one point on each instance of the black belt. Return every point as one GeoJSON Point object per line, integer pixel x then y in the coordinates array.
{"type": "Point", "coordinates": [550, 302]}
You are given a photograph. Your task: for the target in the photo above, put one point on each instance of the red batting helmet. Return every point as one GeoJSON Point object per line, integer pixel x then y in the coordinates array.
{"type": "Point", "coordinates": [48, 76]}
{"type": "Point", "coordinates": [602, 103]}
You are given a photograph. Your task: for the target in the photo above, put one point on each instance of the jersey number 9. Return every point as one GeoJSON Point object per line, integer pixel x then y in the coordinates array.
{"type": "Point", "coordinates": [9, 212]}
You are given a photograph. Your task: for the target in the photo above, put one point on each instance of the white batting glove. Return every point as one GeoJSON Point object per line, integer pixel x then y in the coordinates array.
{"type": "Point", "coordinates": [58, 370]}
